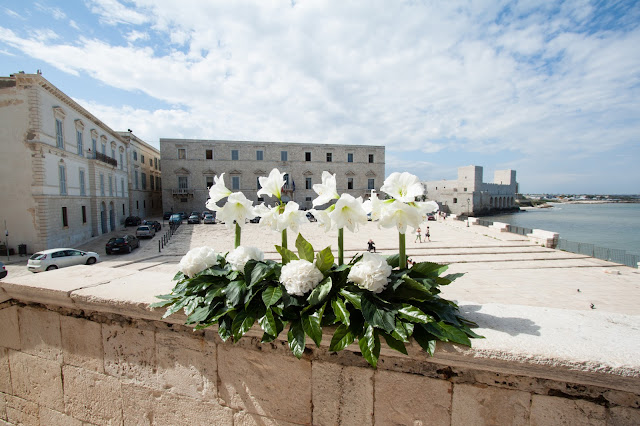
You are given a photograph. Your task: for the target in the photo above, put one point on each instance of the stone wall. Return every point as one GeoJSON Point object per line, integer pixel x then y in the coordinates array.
{"type": "Point", "coordinates": [87, 350]}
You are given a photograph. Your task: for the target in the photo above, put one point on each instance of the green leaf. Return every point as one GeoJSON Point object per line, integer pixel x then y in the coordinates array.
{"type": "Point", "coordinates": [287, 255]}
{"type": "Point", "coordinates": [235, 292]}
{"type": "Point", "coordinates": [453, 277]}
{"type": "Point", "coordinates": [162, 303]}
{"type": "Point", "coordinates": [376, 314]}
{"type": "Point", "coordinates": [341, 311]}
{"type": "Point", "coordinates": [342, 338]}
{"type": "Point", "coordinates": [414, 314]}
{"type": "Point", "coordinates": [324, 260]}
{"type": "Point", "coordinates": [199, 315]}
{"type": "Point", "coordinates": [448, 333]}
{"type": "Point", "coordinates": [271, 295]}
{"type": "Point", "coordinates": [296, 338]}
{"type": "Point", "coordinates": [403, 330]}
{"type": "Point", "coordinates": [179, 276]}
{"type": "Point", "coordinates": [321, 292]}
{"type": "Point", "coordinates": [370, 346]}
{"type": "Point", "coordinates": [212, 294]}
{"type": "Point", "coordinates": [425, 340]}
{"type": "Point", "coordinates": [241, 324]}
{"type": "Point", "coordinates": [176, 307]}
{"type": "Point", "coordinates": [259, 272]}
{"type": "Point", "coordinates": [394, 343]}
{"type": "Point", "coordinates": [224, 328]}
{"type": "Point", "coordinates": [428, 269]}
{"type": "Point", "coordinates": [311, 326]}
{"type": "Point", "coordinates": [305, 249]}
{"type": "Point", "coordinates": [354, 298]}
{"type": "Point", "coordinates": [268, 323]}
{"type": "Point", "coordinates": [393, 261]}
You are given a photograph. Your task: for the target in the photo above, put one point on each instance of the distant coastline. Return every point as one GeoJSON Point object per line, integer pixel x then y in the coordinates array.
{"type": "Point", "coordinates": [551, 204]}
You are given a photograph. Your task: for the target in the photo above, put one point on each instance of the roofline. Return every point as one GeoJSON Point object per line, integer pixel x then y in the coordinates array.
{"type": "Point", "coordinates": [138, 140]}
{"type": "Point", "coordinates": [262, 142]}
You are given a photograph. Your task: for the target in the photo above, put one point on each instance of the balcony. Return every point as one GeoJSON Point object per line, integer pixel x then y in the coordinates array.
{"type": "Point", "coordinates": [106, 159]}
{"type": "Point", "coordinates": [182, 192]}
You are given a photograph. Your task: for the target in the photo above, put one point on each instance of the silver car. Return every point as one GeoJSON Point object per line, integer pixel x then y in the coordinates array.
{"type": "Point", "coordinates": [48, 260]}
{"type": "Point", "coordinates": [148, 231]}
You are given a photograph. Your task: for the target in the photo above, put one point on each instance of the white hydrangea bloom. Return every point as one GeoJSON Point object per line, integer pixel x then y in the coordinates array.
{"type": "Point", "coordinates": [241, 255]}
{"type": "Point", "coordinates": [403, 186]}
{"type": "Point", "coordinates": [197, 260]}
{"type": "Point", "coordinates": [370, 272]}
{"type": "Point", "coordinates": [300, 277]}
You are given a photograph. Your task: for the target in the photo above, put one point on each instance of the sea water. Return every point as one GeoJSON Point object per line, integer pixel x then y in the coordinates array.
{"type": "Point", "coordinates": [609, 225]}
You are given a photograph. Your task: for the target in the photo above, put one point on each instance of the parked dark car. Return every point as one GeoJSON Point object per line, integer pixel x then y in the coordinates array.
{"type": "Point", "coordinates": [255, 219]}
{"type": "Point", "coordinates": [155, 224]}
{"type": "Point", "coordinates": [183, 215]}
{"type": "Point", "coordinates": [132, 221]}
{"type": "Point", "coordinates": [175, 219]}
{"type": "Point", "coordinates": [311, 217]}
{"type": "Point", "coordinates": [194, 218]}
{"type": "Point", "coordinates": [3, 271]}
{"type": "Point", "coordinates": [166, 215]}
{"type": "Point", "coordinates": [431, 216]}
{"type": "Point", "coordinates": [126, 243]}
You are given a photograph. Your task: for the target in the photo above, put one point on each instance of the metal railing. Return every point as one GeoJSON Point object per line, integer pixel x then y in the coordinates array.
{"type": "Point", "coordinates": [603, 253]}
{"type": "Point", "coordinates": [182, 191]}
{"type": "Point", "coordinates": [106, 159]}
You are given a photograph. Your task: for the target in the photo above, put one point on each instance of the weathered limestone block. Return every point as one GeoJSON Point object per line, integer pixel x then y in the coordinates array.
{"type": "Point", "coordinates": [21, 412]}
{"type": "Point", "coordinates": [482, 405]}
{"type": "Point", "coordinates": [40, 333]}
{"type": "Point", "coordinates": [269, 384]}
{"type": "Point", "coordinates": [129, 353]}
{"type": "Point", "coordinates": [342, 395]}
{"type": "Point", "coordinates": [54, 418]}
{"type": "Point", "coordinates": [82, 343]}
{"type": "Point", "coordinates": [186, 365]}
{"type": "Point", "coordinates": [546, 410]}
{"type": "Point", "coordinates": [623, 416]}
{"type": "Point", "coordinates": [92, 397]}
{"type": "Point", "coordinates": [411, 399]}
{"type": "Point", "coordinates": [145, 406]}
{"type": "Point", "coordinates": [36, 379]}
{"type": "Point", "coordinates": [5, 375]}
{"type": "Point", "coordinates": [9, 332]}
{"type": "Point", "coordinates": [500, 226]}
{"type": "Point", "coordinates": [3, 407]}
{"type": "Point", "coordinates": [246, 419]}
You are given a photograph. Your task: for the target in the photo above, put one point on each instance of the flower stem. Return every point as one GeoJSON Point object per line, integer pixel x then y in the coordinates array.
{"type": "Point", "coordinates": [403, 252]}
{"type": "Point", "coordinates": [284, 238]}
{"type": "Point", "coordinates": [341, 246]}
{"type": "Point", "coordinates": [238, 235]}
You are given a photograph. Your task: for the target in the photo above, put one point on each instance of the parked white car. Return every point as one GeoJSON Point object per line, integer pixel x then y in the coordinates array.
{"type": "Point", "coordinates": [59, 258]}
{"type": "Point", "coordinates": [145, 231]}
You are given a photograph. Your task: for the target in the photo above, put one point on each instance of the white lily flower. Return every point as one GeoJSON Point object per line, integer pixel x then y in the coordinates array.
{"type": "Point", "coordinates": [272, 185]}
{"type": "Point", "coordinates": [326, 190]}
{"type": "Point", "coordinates": [403, 186]}
{"type": "Point", "coordinates": [218, 190]}
{"type": "Point", "coordinates": [400, 215]}
{"type": "Point", "coordinates": [291, 218]}
{"type": "Point", "coordinates": [348, 213]}
{"type": "Point", "coordinates": [427, 207]}
{"type": "Point", "coordinates": [237, 208]}
{"type": "Point", "coordinates": [323, 218]}
{"type": "Point", "coordinates": [373, 205]}
{"type": "Point", "coordinates": [268, 216]}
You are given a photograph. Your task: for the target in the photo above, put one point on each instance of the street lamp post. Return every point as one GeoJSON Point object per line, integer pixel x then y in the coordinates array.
{"type": "Point", "coordinates": [468, 203]}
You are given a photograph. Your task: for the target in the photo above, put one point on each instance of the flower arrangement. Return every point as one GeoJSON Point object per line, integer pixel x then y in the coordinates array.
{"type": "Point", "coordinates": [365, 299]}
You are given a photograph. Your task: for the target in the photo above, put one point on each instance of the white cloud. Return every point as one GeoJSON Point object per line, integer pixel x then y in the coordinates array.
{"type": "Point", "coordinates": [55, 12]}
{"type": "Point", "coordinates": [134, 36]}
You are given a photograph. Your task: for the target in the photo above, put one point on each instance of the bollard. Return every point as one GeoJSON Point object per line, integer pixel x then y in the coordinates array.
{"type": "Point", "coordinates": [159, 249]}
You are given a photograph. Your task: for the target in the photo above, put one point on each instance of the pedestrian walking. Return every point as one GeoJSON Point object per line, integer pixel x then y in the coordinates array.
{"type": "Point", "coordinates": [418, 235]}
{"type": "Point", "coordinates": [427, 234]}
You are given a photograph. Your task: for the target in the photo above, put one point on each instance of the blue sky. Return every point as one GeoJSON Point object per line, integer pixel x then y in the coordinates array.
{"type": "Point", "coordinates": [548, 88]}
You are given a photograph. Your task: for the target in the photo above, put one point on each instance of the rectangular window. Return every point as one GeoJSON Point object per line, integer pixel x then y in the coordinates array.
{"type": "Point", "coordinates": [82, 188]}
{"type": "Point", "coordinates": [235, 182]}
{"type": "Point", "coordinates": [209, 181]}
{"type": "Point", "coordinates": [113, 153]}
{"type": "Point", "coordinates": [135, 155]}
{"type": "Point", "coordinates": [307, 156]}
{"type": "Point", "coordinates": [143, 177]}
{"type": "Point", "coordinates": [349, 183]}
{"type": "Point", "coordinates": [80, 145]}
{"type": "Point", "coordinates": [142, 158]}
{"type": "Point", "coordinates": [258, 183]}
{"type": "Point", "coordinates": [349, 157]}
{"type": "Point", "coordinates": [135, 179]}
{"type": "Point", "coordinates": [307, 183]}
{"type": "Point", "coordinates": [158, 187]}
{"type": "Point", "coordinates": [371, 184]}
{"type": "Point", "coordinates": [122, 188]}
{"type": "Point", "coordinates": [182, 154]}
{"type": "Point", "coordinates": [234, 154]}
{"type": "Point", "coordinates": [329, 157]}
{"type": "Point", "coordinates": [63, 179]}
{"type": "Point", "coordinates": [101, 184]}
{"type": "Point", "coordinates": [283, 155]}
{"type": "Point", "coordinates": [84, 214]}
{"type": "Point", "coordinates": [94, 146]}
{"type": "Point", "coordinates": [65, 221]}
{"type": "Point", "coordinates": [151, 182]}
{"type": "Point", "coordinates": [155, 162]}
{"type": "Point", "coordinates": [121, 161]}
{"type": "Point", "coordinates": [111, 186]}
{"type": "Point", "coordinates": [137, 205]}
{"type": "Point", "coordinates": [371, 158]}
{"type": "Point", "coordinates": [59, 135]}
{"type": "Point", "coordinates": [123, 212]}
{"type": "Point", "coordinates": [455, 201]}
{"type": "Point", "coordinates": [208, 156]}
{"type": "Point", "coordinates": [104, 149]}
{"type": "Point", "coordinates": [465, 190]}
{"type": "Point", "coordinates": [259, 155]}
{"type": "Point", "coordinates": [182, 182]}
{"type": "Point", "coordinates": [307, 198]}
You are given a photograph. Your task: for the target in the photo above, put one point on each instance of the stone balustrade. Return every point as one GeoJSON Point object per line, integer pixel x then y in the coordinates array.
{"type": "Point", "coordinates": [545, 238]}
{"type": "Point", "coordinates": [80, 345]}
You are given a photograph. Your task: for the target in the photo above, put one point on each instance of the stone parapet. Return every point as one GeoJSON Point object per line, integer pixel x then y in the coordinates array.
{"type": "Point", "coordinates": [81, 346]}
{"type": "Point", "coordinates": [545, 238]}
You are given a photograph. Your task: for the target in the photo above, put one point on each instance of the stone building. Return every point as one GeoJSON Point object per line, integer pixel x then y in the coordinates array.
{"type": "Point", "coordinates": [145, 181]}
{"type": "Point", "coordinates": [190, 166]}
{"type": "Point", "coordinates": [468, 195]}
{"type": "Point", "coordinates": [63, 173]}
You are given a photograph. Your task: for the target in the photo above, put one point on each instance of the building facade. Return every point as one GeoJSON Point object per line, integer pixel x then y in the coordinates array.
{"type": "Point", "coordinates": [145, 180]}
{"type": "Point", "coordinates": [61, 180]}
{"type": "Point", "coordinates": [190, 166]}
{"type": "Point", "coordinates": [468, 195]}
